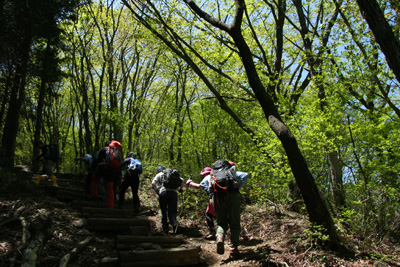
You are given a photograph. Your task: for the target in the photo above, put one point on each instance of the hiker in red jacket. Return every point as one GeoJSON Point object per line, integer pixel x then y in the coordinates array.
{"type": "Point", "coordinates": [108, 162]}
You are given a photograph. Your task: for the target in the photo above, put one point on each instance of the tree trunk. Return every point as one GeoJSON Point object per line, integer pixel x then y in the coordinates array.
{"type": "Point", "coordinates": [6, 94]}
{"type": "Point", "coordinates": [336, 175]}
{"type": "Point", "coordinates": [39, 112]}
{"type": "Point", "coordinates": [316, 206]}
{"type": "Point", "coordinates": [383, 33]}
{"type": "Point", "coordinates": [17, 97]}
{"type": "Point", "coordinates": [315, 62]}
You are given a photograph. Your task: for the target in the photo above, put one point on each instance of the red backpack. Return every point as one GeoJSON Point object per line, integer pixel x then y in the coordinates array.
{"type": "Point", "coordinates": [114, 154]}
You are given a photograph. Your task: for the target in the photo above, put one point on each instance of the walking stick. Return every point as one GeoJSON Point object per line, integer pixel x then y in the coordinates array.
{"type": "Point", "coordinates": [183, 206]}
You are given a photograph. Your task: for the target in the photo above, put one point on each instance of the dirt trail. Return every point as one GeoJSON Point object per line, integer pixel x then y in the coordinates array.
{"type": "Point", "coordinates": [267, 238]}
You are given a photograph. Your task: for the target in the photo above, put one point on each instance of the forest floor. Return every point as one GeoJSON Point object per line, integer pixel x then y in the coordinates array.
{"type": "Point", "coordinates": [268, 237]}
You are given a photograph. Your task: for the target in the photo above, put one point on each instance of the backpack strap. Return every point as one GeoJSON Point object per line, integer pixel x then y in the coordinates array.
{"type": "Point", "coordinates": [218, 186]}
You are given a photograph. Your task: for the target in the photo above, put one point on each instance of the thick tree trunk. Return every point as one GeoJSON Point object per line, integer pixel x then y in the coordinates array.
{"type": "Point", "coordinates": [14, 109]}
{"type": "Point", "coordinates": [316, 206]}
{"type": "Point", "coordinates": [383, 33]}
{"type": "Point", "coordinates": [17, 96]}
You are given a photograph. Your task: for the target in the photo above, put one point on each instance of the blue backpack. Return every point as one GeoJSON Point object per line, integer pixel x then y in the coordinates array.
{"type": "Point", "coordinates": [135, 166]}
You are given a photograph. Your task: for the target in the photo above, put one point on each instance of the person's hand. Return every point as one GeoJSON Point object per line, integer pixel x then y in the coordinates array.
{"type": "Point", "coordinates": [189, 181]}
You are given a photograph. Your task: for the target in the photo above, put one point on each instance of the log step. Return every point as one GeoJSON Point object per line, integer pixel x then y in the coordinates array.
{"type": "Point", "coordinates": [127, 242]}
{"type": "Point", "coordinates": [68, 195]}
{"type": "Point", "coordinates": [102, 212]}
{"type": "Point", "coordinates": [115, 224]}
{"type": "Point", "coordinates": [139, 230]}
{"type": "Point", "coordinates": [79, 204]}
{"type": "Point", "coordinates": [161, 257]}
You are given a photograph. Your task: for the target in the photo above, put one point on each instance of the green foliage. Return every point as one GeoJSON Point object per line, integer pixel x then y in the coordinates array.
{"type": "Point", "coordinates": [314, 236]}
{"type": "Point", "coordinates": [121, 80]}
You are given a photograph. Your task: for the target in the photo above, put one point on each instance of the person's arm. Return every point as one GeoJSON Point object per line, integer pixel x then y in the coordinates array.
{"type": "Point", "coordinates": [190, 183]}
{"type": "Point", "coordinates": [155, 184]}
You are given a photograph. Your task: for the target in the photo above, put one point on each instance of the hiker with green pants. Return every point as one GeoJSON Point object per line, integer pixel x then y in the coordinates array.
{"type": "Point", "coordinates": [225, 183]}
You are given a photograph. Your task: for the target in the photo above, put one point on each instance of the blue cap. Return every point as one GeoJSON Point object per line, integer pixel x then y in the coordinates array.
{"type": "Point", "coordinates": [160, 168]}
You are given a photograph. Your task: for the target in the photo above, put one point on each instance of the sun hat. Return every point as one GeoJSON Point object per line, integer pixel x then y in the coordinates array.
{"type": "Point", "coordinates": [206, 170]}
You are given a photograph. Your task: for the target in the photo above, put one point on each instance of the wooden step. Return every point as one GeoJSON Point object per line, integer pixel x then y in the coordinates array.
{"type": "Point", "coordinates": [181, 256]}
{"type": "Point", "coordinates": [79, 204]}
{"type": "Point", "coordinates": [102, 212]}
{"type": "Point", "coordinates": [127, 242]}
{"type": "Point", "coordinates": [115, 224]}
{"type": "Point", "coordinates": [139, 230]}
{"type": "Point", "coordinates": [68, 195]}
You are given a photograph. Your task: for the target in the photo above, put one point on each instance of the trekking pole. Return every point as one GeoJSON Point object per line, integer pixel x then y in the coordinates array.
{"type": "Point", "coordinates": [183, 206]}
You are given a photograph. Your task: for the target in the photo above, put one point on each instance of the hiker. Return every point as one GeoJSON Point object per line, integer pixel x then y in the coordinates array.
{"type": "Point", "coordinates": [87, 159]}
{"type": "Point", "coordinates": [166, 184]}
{"type": "Point", "coordinates": [50, 157]}
{"type": "Point", "coordinates": [131, 179]}
{"type": "Point", "coordinates": [108, 163]}
{"type": "Point", "coordinates": [224, 183]}
{"type": "Point", "coordinates": [210, 213]}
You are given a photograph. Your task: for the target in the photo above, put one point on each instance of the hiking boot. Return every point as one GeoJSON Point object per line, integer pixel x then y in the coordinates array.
{"type": "Point", "coordinates": [234, 253]}
{"type": "Point", "coordinates": [220, 245]}
{"type": "Point", "coordinates": [37, 179]}
{"type": "Point", "coordinates": [211, 235]}
{"type": "Point", "coordinates": [54, 180]}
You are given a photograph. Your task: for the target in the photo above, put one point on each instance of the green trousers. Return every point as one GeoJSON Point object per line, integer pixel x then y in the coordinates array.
{"type": "Point", "coordinates": [227, 209]}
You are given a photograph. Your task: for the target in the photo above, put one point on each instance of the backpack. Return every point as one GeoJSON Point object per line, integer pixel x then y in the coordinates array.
{"type": "Point", "coordinates": [171, 179]}
{"type": "Point", "coordinates": [135, 166]}
{"type": "Point", "coordinates": [114, 155]}
{"type": "Point", "coordinates": [224, 176]}
{"type": "Point", "coordinates": [52, 152]}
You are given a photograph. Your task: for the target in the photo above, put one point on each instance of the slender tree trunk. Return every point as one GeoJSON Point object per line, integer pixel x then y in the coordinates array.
{"type": "Point", "coordinates": [38, 123]}
{"type": "Point", "coordinates": [315, 62]}
{"type": "Point", "coordinates": [39, 111]}
{"type": "Point", "coordinates": [336, 175]}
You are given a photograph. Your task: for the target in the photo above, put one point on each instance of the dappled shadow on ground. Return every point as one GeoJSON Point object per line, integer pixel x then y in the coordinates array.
{"type": "Point", "coordinates": [266, 239]}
